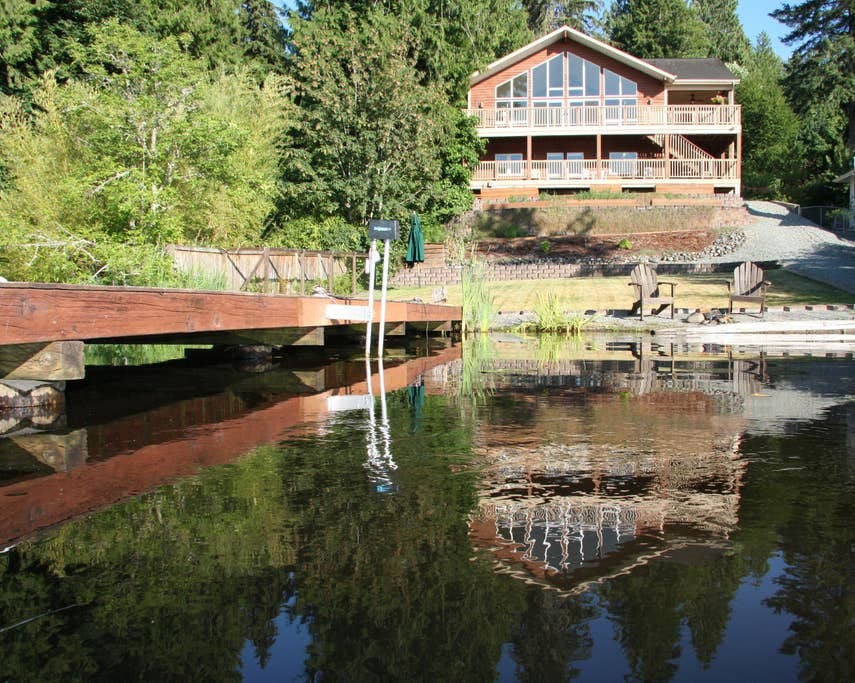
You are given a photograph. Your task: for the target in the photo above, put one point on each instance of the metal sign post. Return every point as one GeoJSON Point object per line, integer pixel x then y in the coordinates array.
{"type": "Point", "coordinates": [372, 251]}
{"type": "Point", "coordinates": [386, 231]}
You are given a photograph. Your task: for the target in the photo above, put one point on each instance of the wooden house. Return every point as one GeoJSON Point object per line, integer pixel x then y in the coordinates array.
{"type": "Point", "coordinates": [569, 113]}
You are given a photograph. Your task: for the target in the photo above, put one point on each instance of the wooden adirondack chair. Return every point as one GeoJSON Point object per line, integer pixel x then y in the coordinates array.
{"type": "Point", "coordinates": [643, 278]}
{"type": "Point", "coordinates": [748, 286]}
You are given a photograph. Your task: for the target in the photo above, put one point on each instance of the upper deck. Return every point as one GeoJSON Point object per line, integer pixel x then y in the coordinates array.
{"type": "Point", "coordinates": [710, 119]}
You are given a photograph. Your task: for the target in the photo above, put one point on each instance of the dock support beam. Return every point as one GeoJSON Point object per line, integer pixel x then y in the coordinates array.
{"type": "Point", "coordinates": [54, 361]}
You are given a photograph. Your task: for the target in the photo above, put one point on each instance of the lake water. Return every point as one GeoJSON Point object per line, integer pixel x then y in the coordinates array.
{"type": "Point", "coordinates": [512, 510]}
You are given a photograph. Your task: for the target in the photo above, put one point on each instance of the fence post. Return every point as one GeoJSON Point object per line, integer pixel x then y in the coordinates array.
{"type": "Point", "coordinates": [265, 272]}
{"type": "Point", "coordinates": [353, 276]}
{"type": "Point", "coordinates": [302, 273]}
{"type": "Point", "coordinates": [331, 273]}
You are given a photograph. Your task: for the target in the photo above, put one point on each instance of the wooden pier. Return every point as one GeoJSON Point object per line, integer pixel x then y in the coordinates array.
{"type": "Point", "coordinates": [43, 327]}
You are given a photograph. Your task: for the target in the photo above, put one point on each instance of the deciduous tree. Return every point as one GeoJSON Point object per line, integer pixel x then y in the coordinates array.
{"type": "Point", "coordinates": [142, 149]}
{"type": "Point", "coordinates": [368, 140]}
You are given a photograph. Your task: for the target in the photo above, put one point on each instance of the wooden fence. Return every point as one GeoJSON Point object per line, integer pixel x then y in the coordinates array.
{"type": "Point", "coordinates": [286, 271]}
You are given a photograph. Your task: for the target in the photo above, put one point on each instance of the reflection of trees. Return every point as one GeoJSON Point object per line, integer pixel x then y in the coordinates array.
{"type": "Point", "coordinates": [388, 580]}
{"type": "Point", "coordinates": [649, 606]}
{"type": "Point", "coordinates": [818, 544]}
{"type": "Point", "coordinates": [168, 586]}
{"type": "Point", "coordinates": [551, 634]}
{"type": "Point", "coordinates": [172, 585]}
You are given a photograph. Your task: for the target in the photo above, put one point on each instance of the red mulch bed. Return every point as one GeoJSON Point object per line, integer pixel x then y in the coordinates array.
{"type": "Point", "coordinates": [595, 246]}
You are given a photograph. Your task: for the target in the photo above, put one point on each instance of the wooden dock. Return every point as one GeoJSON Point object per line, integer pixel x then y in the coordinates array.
{"type": "Point", "coordinates": [43, 327]}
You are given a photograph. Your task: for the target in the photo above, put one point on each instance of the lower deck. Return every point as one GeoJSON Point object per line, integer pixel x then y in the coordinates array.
{"type": "Point", "coordinates": [700, 164]}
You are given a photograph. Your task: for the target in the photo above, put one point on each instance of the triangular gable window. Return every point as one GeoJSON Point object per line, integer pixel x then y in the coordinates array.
{"type": "Point", "coordinates": [569, 80]}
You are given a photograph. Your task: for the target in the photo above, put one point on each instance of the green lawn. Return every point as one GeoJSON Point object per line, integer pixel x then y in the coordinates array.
{"type": "Point", "coordinates": [584, 293]}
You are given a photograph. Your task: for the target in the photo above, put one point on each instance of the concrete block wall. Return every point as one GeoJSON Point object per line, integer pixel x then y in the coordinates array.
{"type": "Point", "coordinates": [420, 276]}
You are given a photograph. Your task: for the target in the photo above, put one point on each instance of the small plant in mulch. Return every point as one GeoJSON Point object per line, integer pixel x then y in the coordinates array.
{"type": "Point", "coordinates": [545, 247]}
{"type": "Point", "coordinates": [624, 244]}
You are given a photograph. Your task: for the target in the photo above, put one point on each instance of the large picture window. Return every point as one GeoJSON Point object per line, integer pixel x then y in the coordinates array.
{"type": "Point", "coordinates": [570, 83]}
{"type": "Point", "coordinates": [547, 79]}
{"type": "Point", "coordinates": [621, 98]}
{"type": "Point", "coordinates": [584, 78]}
{"type": "Point", "coordinates": [513, 92]}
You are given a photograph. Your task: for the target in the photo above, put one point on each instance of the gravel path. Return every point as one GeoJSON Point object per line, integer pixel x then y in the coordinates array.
{"type": "Point", "coordinates": [779, 234]}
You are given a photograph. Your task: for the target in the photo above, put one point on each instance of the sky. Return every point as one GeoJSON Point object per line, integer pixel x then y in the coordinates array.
{"type": "Point", "coordinates": [754, 15]}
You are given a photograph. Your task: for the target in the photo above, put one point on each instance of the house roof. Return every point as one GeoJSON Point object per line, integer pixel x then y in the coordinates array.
{"type": "Point", "coordinates": [568, 33]}
{"type": "Point", "coordinates": [696, 71]}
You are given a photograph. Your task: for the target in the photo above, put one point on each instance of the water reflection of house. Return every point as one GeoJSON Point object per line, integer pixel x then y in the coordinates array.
{"type": "Point", "coordinates": [598, 480]}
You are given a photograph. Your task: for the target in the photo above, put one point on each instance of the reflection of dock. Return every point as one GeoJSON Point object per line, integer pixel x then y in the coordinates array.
{"type": "Point", "coordinates": [646, 368]}
{"type": "Point", "coordinates": [127, 455]}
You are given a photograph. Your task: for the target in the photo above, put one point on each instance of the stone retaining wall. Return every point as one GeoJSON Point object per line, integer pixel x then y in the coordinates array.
{"type": "Point", "coordinates": [420, 276]}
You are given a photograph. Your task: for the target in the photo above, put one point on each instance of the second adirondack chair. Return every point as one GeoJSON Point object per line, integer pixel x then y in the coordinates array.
{"type": "Point", "coordinates": [748, 286]}
{"type": "Point", "coordinates": [647, 290]}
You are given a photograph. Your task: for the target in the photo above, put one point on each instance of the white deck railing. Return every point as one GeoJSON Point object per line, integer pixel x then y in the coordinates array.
{"type": "Point", "coordinates": [583, 172]}
{"type": "Point", "coordinates": [634, 116]}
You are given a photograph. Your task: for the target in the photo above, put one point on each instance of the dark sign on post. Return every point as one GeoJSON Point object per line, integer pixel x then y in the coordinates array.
{"type": "Point", "coordinates": [384, 230]}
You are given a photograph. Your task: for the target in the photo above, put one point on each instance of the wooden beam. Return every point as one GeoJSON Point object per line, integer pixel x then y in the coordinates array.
{"type": "Point", "coordinates": [32, 313]}
{"type": "Point", "coordinates": [57, 361]}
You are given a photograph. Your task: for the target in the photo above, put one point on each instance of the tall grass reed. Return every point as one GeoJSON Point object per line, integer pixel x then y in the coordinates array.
{"type": "Point", "coordinates": [478, 303]}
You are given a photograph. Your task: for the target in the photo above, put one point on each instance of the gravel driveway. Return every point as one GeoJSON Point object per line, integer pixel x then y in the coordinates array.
{"type": "Point", "coordinates": [779, 234]}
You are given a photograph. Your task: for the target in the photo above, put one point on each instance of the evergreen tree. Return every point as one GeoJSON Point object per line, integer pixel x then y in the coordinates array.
{"type": "Point", "coordinates": [771, 155]}
{"type": "Point", "coordinates": [264, 35]}
{"type": "Point", "coordinates": [18, 43]}
{"type": "Point", "coordinates": [656, 28]}
{"type": "Point", "coordinates": [727, 38]}
{"type": "Point", "coordinates": [821, 74]}
{"type": "Point", "coordinates": [451, 38]}
{"type": "Point", "coordinates": [547, 15]}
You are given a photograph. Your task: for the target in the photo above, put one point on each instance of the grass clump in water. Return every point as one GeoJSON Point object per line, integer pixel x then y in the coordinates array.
{"type": "Point", "coordinates": [552, 316]}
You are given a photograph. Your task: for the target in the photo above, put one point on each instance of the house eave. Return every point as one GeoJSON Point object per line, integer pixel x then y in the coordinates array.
{"type": "Point", "coordinates": [566, 32]}
{"type": "Point", "coordinates": [703, 83]}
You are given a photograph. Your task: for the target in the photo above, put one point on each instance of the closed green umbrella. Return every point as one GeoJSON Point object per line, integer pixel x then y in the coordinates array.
{"type": "Point", "coordinates": [416, 241]}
